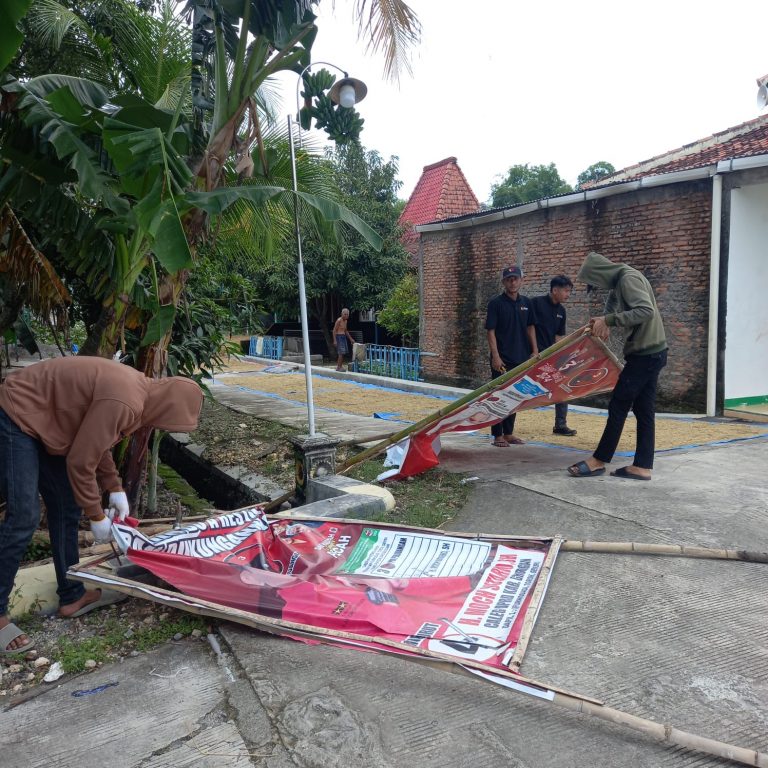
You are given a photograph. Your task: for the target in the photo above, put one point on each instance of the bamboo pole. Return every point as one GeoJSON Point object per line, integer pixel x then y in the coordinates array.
{"type": "Point", "coordinates": [363, 439]}
{"type": "Point", "coordinates": [567, 545]}
{"type": "Point", "coordinates": [665, 733]}
{"type": "Point", "coordinates": [673, 550]}
{"type": "Point", "coordinates": [575, 702]}
{"type": "Point", "coordinates": [542, 582]}
{"type": "Point", "coordinates": [456, 404]}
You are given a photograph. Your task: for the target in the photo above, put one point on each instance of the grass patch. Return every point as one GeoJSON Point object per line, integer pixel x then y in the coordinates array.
{"type": "Point", "coordinates": [31, 621]}
{"type": "Point", "coordinates": [38, 549]}
{"type": "Point", "coordinates": [111, 639]}
{"type": "Point", "coordinates": [428, 500]}
{"type": "Point", "coordinates": [177, 485]}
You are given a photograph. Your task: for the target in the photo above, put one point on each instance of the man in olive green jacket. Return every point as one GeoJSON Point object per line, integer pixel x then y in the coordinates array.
{"type": "Point", "coordinates": [631, 306]}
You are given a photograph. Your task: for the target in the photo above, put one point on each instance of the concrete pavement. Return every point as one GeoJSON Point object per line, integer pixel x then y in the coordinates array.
{"type": "Point", "coordinates": [676, 640]}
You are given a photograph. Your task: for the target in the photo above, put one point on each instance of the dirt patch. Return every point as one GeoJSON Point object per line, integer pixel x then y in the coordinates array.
{"type": "Point", "coordinates": [91, 641]}
{"type": "Point", "coordinates": [233, 438]}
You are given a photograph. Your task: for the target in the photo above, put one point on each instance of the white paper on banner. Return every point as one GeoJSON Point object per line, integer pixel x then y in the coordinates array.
{"type": "Point", "coordinates": [403, 555]}
{"type": "Point", "coordinates": [497, 405]}
{"type": "Point", "coordinates": [481, 627]}
{"type": "Point", "coordinates": [394, 458]}
{"type": "Point", "coordinates": [541, 693]}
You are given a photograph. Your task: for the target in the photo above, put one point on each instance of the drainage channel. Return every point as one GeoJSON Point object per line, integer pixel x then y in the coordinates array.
{"type": "Point", "coordinates": [223, 490]}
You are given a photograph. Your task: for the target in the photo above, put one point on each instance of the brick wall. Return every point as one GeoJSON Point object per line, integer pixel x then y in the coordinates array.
{"type": "Point", "coordinates": [665, 232]}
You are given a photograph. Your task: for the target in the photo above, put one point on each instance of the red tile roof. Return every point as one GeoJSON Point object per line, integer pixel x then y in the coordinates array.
{"type": "Point", "coordinates": [745, 140]}
{"type": "Point", "coordinates": [441, 192]}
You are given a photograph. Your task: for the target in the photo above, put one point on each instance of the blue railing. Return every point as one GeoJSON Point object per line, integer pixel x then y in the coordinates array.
{"type": "Point", "coordinates": [397, 362]}
{"type": "Point", "coordinates": [266, 346]}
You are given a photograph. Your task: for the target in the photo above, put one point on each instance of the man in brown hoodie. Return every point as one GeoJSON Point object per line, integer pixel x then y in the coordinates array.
{"type": "Point", "coordinates": [59, 420]}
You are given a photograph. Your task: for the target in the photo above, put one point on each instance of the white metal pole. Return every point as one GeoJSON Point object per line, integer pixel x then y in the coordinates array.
{"type": "Point", "coordinates": [302, 289]}
{"type": "Point", "coordinates": [714, 294]}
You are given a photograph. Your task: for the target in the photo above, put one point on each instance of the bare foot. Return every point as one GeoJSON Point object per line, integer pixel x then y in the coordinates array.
{"type": "Point", "coordinates": [18, 642]}
{"type": "Point", "coordinates": [514, 440]}
{"type": "Point", "coordinates": [91, 596]}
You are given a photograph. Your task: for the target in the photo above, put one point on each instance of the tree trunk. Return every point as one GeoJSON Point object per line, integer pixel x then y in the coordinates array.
{"type": "Point", "coordinates": [319, 309]}
{"type": "Point", "coordinates": [153, 360]}
{"type": "Point", "coordinates": [152, 473]}
{"type": "Point", "coordinates": [105, 335]}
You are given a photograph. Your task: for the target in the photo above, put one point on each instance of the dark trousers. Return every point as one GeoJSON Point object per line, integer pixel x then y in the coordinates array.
{"type": "Point", "coordinates": [561, 415]}
{"type": "Point", "coordinates": [505, 426]}
{"type": "Point", "coordinates": [635, 389]}
{"type": "Point", "coordinates": [26, 471]}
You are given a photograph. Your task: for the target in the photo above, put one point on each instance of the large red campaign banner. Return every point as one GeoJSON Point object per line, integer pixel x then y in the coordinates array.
{"type": "Point", "coordinates": [581, 366]}
{"type": "Point", "coordinates": [463, 597]}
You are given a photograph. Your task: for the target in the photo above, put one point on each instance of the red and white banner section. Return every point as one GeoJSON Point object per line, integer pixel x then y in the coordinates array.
{"type": "Point", "coordinates": [463, 597]}
{"type": "Point", "coordinates": [582, 367]}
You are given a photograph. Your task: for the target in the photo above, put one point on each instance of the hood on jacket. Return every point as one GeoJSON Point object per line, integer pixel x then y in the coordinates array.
{"type": "Point", "coordinates": [172, 404]}
{"type": "Point", "coordinates": [599, 271]}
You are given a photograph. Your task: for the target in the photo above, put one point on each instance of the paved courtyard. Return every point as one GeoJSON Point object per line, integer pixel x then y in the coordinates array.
{"type": "Point", "coordinates": [680, 641]}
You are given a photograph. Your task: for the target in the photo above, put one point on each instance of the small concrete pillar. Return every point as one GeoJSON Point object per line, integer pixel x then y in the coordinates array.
{"type": "Point", "coordinates": [314, 457]}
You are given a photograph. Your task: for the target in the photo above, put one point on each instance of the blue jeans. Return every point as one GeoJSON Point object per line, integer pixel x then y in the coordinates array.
{"type": "Point", "coordinates": [635, 389]}
{"type": "Point", "coordinates": [26, 472]}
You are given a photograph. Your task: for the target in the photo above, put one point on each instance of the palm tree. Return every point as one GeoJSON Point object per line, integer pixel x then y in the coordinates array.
{"type": "Point", "coordinates": [148, 150]}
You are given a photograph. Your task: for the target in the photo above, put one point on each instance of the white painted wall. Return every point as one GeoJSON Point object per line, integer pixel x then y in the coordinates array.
{"type": "Point", "coordinates": [746, 350]}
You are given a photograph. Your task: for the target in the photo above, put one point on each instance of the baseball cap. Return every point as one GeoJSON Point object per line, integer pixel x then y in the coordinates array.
{"type": "Point", "coordinates": [511, 272]}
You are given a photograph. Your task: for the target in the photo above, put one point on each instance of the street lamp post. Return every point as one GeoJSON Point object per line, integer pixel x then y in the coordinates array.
{"type": "Point", "coordinates": [345, 92]}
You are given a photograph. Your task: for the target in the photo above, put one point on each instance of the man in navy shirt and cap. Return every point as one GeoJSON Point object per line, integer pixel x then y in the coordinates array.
{"type": "Point", "coordinates": [511, 340]}
{"type": "Point", "coordinates": [550, 327]}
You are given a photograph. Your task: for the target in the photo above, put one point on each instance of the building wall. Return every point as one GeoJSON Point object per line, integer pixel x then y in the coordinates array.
{"type": "Point", "coordinates": [665, 232]}
{"type": "Point", "coordinates": [746, 361]}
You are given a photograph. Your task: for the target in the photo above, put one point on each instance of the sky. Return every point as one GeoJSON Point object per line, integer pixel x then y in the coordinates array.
{"type": "Point", "coordinates": [498, 83]}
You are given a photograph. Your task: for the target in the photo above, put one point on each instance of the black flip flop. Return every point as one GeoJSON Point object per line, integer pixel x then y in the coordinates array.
{"type": "Point", "coordinates": [584, 470]}
{"type": "Point", "coordinates": [622, 472]}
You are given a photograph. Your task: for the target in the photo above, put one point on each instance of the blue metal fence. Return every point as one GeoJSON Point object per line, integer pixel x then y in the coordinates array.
{"type": "Point", "coordinates": [266, 346]}
{"type": "Point", "coordinates": [397, 362]}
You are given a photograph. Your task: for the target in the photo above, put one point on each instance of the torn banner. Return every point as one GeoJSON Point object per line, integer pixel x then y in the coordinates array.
{"type": "Point", "coordinates": [578, 366]}
{"type": "Point", "coordinates": [466, 598]}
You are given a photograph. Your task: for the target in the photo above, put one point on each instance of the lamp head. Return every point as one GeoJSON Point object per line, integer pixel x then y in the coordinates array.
{"type": "Point", "coordinates": [347, 92]}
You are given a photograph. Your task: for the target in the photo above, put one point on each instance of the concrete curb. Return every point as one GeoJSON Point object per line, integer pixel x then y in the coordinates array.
{"type": "Point", "coordinates": [234, 487]}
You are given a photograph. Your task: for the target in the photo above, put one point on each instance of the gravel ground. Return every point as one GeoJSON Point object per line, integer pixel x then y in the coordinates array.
{"type": "Point", "coordinates": [106, 636]}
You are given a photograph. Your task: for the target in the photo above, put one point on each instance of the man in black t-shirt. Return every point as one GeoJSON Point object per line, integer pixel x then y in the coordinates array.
{"type": "Point", "coordinates": [511, 340]}
{"type": "Point", "coordinates": [550, 327]}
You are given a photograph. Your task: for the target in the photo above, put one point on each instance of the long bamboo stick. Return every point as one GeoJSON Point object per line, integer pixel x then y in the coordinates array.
{"type": "Point", "coordinates": [568, 545]}
{"type": "Point", "coordinates": [542, 581]}
{"type": "Point", "coordinates": [673, 550]}
{"type": "Point", "coordinates": [488, 387]}
{"type": "Point", "coordinates": [360, 439]}
{"type": "Point", "coordinates": [665, 733]}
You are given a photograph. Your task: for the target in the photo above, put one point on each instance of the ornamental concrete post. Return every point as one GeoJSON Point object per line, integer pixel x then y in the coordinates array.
{"type": "Point", "coordinates": [314, 456]}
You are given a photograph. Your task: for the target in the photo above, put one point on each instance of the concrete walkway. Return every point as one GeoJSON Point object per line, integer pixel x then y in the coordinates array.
{"type": "Point", "coordinates": [680, 641]}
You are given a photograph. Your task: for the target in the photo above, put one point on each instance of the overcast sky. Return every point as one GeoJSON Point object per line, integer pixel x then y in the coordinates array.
{"type": "Point", "coordinates": [501, 82]}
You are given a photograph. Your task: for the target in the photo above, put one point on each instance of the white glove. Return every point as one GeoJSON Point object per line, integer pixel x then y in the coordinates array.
{"type": "Point", "coordinates": [118, 506]}
{"type": "Point", "coordinates": [102, 530]}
